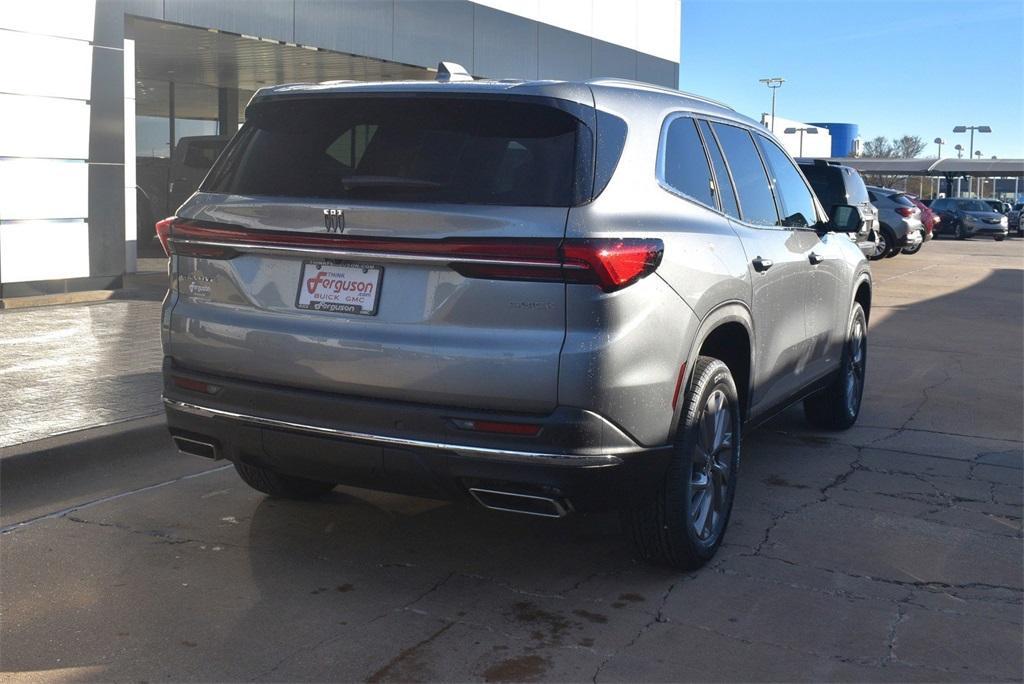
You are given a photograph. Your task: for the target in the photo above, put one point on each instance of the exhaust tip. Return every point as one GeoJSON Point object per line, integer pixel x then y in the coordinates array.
{"type": "Point", "coordinates": [195, 447]}
{"type": "Point", "coordinates": [527, 504]}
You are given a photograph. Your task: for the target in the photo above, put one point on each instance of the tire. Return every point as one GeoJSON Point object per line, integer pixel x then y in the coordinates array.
{"type": "Point", "coordinates": [837, 406]}
{"type": "Point", "coordinates": [683, 522]}
{"type": "Point", "coordinates": [1000, 238]}
{"type": "Point", "coordinates": [912, 249]}
{"type": "Point", "coordinates": [886, 239]}
{"type": "Point", "coordinates": [279, 485]}
{"type": "Point", "coordinates": [958, 232]}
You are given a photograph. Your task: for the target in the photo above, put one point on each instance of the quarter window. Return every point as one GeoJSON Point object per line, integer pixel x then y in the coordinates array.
{"type": "Point", "coordinates": [755, 195]}
{"type": "Point", "coordinates": [796, 199]}
{"type": "Point", "coordinates": [722, 183]}
{"type": "Point", "coordinates": [686, 167]}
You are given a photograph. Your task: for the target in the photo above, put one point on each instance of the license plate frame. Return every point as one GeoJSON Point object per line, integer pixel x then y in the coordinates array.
{"type": "Point", "coordinates": [334, 287]}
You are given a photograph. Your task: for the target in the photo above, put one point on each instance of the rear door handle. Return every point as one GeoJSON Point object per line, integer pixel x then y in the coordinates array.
{"type": "Point", "coordinates": [815, 258]}
{"type": "Point", "coordinates": [762, 265]}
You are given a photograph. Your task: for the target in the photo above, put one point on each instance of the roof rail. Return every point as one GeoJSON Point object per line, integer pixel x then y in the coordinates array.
{"type": "Point", "coordinates": [656, 88]}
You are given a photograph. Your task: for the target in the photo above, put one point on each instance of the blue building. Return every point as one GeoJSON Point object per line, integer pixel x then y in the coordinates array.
{"type": "Point", "coordinates": [844, 137]}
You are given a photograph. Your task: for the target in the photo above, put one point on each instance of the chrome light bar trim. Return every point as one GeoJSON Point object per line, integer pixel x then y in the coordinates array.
{"type": "Point", "coordinates": [362, 255]}
{"type": "Point", "coordinates": [546, 458]}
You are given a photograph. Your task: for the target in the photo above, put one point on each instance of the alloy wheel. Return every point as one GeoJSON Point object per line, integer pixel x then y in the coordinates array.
{"type": "Point", "coordinates": [711, 468]}
{"type": "Point", "coordinates": [882, 245]}
{"type": "Point", "coordinates": [855, 366]}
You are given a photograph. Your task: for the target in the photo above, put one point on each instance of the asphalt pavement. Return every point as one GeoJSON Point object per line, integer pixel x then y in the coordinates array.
{"type": "Point", "coordinates": [892, 551]}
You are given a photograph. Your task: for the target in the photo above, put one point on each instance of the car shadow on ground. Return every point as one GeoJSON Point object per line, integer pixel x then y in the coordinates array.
{"type": "Point", "coordinates": [854, 555]}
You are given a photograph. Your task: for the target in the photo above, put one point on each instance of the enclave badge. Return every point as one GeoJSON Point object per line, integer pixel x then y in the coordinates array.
{"type": "Point", "coordinates": [334, 220]}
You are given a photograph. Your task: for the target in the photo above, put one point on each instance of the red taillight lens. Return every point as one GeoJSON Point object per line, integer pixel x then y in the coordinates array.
{"type": "Point", "coordinates": [194, 385]}
{"type": "Point", "coordinates": [163, 232]}
{"type": "Point", "coordinates": [524, 429]}
{"type": "Point", "coordinates": [612, 264]}
{"type": "Point", "coordinates": [906, 212]}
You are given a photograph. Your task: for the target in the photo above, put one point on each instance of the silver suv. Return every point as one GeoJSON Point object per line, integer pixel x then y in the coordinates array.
{"type": "Point", "coordinates": [547, 296]}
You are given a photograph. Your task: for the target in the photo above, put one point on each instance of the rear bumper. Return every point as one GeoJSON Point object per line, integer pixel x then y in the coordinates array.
{"type": "Point", "coordinates": [410, 449]}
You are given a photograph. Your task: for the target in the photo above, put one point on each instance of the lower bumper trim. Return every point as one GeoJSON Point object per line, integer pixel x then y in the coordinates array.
{"type": "Point", "coordinates": [610, 458]}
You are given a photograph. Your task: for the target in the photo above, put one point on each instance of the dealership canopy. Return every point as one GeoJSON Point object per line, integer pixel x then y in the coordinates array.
{"type": "Point", "coordinates": [988, 168]}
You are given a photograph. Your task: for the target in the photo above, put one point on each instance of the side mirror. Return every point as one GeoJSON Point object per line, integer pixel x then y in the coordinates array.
{"type": "Point", "coordinates": [846, 219]}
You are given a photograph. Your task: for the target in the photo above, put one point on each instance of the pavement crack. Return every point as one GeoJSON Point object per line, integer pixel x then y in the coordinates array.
{"type": "Point", "coordinates": [407, 653]}
{"type": "Point", "coordinates": [14, 527]}
{"type": "Point", "coordinates": [659, 616]}
{"type": "Point", "coordinates": [160, 536]}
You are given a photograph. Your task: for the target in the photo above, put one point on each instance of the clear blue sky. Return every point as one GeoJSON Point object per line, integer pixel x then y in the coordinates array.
{"type": "Point", "coordinates": [895, 67]}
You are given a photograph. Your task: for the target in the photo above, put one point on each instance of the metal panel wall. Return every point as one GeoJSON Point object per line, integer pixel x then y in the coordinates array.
{"type": "Point", "coordinates": [428, 31]}
{"type": "Point", "coordinates": [608, 60]}
{"type": "Point", "coordinates": [656, 70]}
{"type": "Point", "coordinates": [44, 135]}
{"type": "Point", "coordinates": [562, 54]}
{"type": "Point", "coordinates": [263, 18]}
{"type": "Point", "coordinates": [504, 45]}
{"type": "Point", "coordinates": [359, 27]}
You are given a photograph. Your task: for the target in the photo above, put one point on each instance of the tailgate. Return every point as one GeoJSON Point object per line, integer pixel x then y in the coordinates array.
{"type": "Point", "coordinates": [420, 279]}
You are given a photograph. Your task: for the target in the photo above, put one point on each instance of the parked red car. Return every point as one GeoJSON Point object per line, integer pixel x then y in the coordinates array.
{"type": "Point", "coordinates": [929, 219]}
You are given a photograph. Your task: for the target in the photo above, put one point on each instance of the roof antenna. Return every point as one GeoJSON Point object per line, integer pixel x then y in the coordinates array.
{"type": "Point", "coordinates": [451, 71]}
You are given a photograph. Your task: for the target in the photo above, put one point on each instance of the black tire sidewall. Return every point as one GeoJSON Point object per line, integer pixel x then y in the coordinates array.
{"type": "Point", "coordinates": [857, 312]}
{"type": "Point", "coordinates": [677, 488]}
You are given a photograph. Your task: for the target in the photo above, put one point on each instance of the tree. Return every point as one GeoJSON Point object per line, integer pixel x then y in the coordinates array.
{"type": "Point", "coordinates": [880, 147]}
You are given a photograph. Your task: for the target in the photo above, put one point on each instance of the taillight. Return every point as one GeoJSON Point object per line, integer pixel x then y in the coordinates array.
{"type": "Point", "coordinates": [906, 212]}
{"type": "Point", "coordinates": [610, 263]}
{"type": "Point", "coordinates": [163, 232]}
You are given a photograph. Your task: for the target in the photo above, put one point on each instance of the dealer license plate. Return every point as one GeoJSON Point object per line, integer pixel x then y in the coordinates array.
{"type": "Point", "coordinates": [340, 288]}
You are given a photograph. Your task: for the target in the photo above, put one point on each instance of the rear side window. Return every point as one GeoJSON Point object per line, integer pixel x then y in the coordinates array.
{"type": "Point", "coordinates": [901, 200]}
{"type": "Point", "coordinates": [795, 197]}
{"type": "Point", "coordinates": [404, 149]}
{"type": "Point", "coordinates": [938, 204]}
{"type": "Point", "coordinates": [722, 183]}
{"type": "Point", "coordinates": [748, 174]}
{"type": "Point", "coordinates": [686, 167]}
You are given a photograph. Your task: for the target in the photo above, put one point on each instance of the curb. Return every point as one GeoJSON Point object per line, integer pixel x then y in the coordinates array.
{"type": "Point", "coordinates": [83, 436]}
{"type": "Point", "coordinates": [55, 299]}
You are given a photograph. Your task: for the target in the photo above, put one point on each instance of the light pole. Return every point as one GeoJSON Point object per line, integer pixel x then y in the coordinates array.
{"type": "Point", "coordinates": [810, 130]}
{"type": "Point", "coordinates": [964, 129]}
{"type": "Point", "coordinates": [940, 142]}
{"type": "Point", "coordinates": [774, 83]}
{"type": "Point", "coordinates": [959, 155]}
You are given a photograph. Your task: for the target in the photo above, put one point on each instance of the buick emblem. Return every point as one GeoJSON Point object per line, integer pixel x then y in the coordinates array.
{"type": "Point", "coordinates": [334, 220]}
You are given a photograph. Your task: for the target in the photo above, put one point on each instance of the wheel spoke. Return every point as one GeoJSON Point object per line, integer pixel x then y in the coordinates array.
{"type": "Point", "coordinates": [703, 509]}
{"type": "Point", "coordinates": [720, 470]}
{"type": "Point", "coordinates": [700, 455]}
{"type": "Point", "coordinates": [699, 481]}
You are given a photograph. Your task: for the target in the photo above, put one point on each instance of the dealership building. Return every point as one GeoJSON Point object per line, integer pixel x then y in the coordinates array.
{"type": "Point", "coordinates": [112, 110]}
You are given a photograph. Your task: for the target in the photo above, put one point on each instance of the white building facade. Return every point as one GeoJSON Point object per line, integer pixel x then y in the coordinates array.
{"type": "Point", "coordinates": [96, 95]}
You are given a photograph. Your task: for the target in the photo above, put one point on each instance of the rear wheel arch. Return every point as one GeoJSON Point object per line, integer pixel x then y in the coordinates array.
{"type": "Point", "coordinates": [726, 334]}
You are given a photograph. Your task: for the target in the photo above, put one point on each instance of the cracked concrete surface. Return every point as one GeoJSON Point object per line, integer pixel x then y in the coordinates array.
{"type": "Point", "coordinates": [892, 551]}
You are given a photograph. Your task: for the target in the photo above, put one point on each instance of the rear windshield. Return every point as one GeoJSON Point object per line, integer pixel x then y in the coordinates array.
{"type": "Point", "coordinates": [452, 150]}
{"type": "Point", "coordinates": [835, 186]}
{"type": "Point", "coordinates": [973, 205]}
{"type": "Point", "coordinates": [902, 200]}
